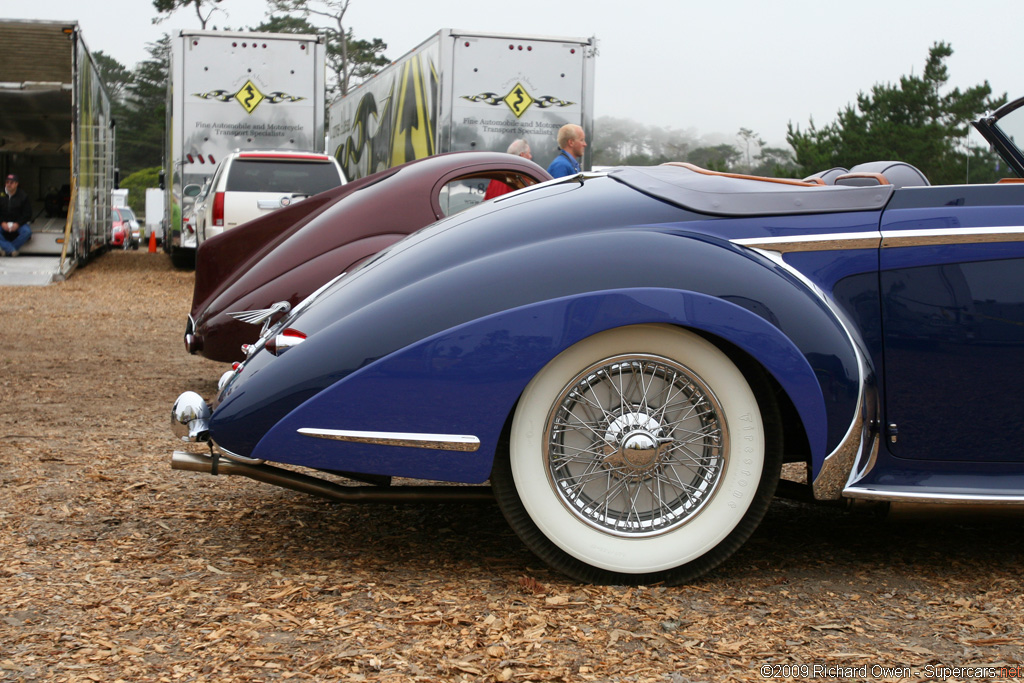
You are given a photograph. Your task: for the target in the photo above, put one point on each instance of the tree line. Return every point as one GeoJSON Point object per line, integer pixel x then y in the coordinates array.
{"type": "Point", "coordinates": [918, 119]}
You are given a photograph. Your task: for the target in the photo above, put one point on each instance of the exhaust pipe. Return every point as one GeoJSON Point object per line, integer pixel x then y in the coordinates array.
{"type": "Point", "coordinates": [303, 483]}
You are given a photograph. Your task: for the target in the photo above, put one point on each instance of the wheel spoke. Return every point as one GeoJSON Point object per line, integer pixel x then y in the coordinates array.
{"type": "Point", "coordinates": [635, 445]}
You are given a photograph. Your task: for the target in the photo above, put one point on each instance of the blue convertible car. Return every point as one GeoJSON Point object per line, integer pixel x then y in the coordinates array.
{"type": "Point", "coordinates": [630, 357]}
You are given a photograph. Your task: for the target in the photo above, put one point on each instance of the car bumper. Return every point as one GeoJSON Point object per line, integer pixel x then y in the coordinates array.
{"type": "Point", "coordinates": [193, 340]}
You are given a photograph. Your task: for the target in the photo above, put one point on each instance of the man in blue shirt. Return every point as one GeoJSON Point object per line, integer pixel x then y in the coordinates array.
{"type": "Point", "coordinates": [571, 143]}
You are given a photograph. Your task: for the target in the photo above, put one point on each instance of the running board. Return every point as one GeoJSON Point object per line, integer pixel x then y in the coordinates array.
{"type": "Point", "coordinates": [303, 483]}
{"type": "Point", "coordinates": [932, 496]}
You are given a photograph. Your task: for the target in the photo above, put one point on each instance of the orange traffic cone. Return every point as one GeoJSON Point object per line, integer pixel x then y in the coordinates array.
{"type": "Point", "coordinates": [152, 241]}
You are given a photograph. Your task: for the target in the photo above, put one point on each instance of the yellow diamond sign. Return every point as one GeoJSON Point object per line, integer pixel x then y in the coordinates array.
{"type": "Point", "coordinates": [518, 100]}
{"type": "Point", "coordinates": [249, 96]}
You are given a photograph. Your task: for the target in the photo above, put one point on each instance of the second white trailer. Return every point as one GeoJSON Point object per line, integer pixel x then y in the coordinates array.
{"type": "Point", "coordinates": [463, 91]}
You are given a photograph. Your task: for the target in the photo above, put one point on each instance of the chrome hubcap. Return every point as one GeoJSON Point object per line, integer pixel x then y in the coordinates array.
{"type": "Point", "coordinates": [636, 445]}
{"type": "Point", "coordinates": [633, 444]}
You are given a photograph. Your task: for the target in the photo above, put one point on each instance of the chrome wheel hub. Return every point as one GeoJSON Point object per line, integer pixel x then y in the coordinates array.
{"type": "Point", "coordinates": [636, 445]}
{"type": "Point", "coordinates": [633, 444]}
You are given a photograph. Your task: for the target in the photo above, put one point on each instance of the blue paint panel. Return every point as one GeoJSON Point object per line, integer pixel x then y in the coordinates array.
{"type": "Point", "coordinates": [953, 319]}
{"type": "Point", "coordinates": [452, 276]}
{"type": "Point", "coordinates": [467, 381]}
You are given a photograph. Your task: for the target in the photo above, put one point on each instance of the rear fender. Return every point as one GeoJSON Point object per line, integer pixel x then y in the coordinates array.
{"type": "Point", "coordinates": [465, 381]}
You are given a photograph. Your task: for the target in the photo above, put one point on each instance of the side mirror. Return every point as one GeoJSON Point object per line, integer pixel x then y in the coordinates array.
{"type": "Point", "coordinates": [192, 190]}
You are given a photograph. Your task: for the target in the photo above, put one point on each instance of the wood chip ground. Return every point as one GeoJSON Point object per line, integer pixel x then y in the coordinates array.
{"type": "Point", "coordinates": [113, 567]}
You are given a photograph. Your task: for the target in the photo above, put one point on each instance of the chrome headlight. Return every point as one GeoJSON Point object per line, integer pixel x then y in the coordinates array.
{"type": "Point", "coordinates": [190, 417]}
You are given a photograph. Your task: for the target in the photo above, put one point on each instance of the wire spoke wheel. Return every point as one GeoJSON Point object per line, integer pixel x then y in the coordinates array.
{"type": "Point", "coordinates": [640, 454]}
{"type": "Point", "coordinates": [635, 445]}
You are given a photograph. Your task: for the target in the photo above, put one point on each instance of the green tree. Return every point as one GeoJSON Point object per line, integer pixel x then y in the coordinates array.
{"type": "Point", "coordinates": [169, 7]}
{"type": "Point", "coordinates": [748, 139]}
{"type": "Point", "coordinates": [618, 142]}
{"type": "Point", "coordinates": [113, 74]}
{"type": "Point", "coordinates": [140, 136]}
{"type": "Point", "coordinates": [776, 162]}
{"type": "Point", "coordinates": [136, 184]}
{"type": "Point", "coordinates": [715, 158]}
{"type": "Point", "coordinates": [913, 121]}
{"type": "Point", "coordinates": [352, 60]}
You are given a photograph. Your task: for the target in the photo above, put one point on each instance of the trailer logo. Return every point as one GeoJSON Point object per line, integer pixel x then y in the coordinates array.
{"type": "Point", "coordinates": [249, 96]}
{"type": "Point", "coordinates": [518, 100]}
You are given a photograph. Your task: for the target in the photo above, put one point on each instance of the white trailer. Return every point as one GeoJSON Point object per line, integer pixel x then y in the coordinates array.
{"type": "Point", "coordinates": [232, 91]}
{"type": "Point", "coordinates": [154, 212]}
{"type": "Point", "coordinates": [57, 135]}
{"type": "Point", "coordinates": [461, 91]}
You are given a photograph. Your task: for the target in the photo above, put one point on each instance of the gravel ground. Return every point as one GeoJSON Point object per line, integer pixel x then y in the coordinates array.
{"type": "Point", "coordinates": [116, 568]}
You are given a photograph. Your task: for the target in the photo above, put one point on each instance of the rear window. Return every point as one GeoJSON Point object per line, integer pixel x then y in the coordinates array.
{"type": "Point", "coordinates": [305, 177]}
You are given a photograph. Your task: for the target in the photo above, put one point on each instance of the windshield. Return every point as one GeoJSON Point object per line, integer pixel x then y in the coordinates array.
{"type": "Point", "coordinates": [1004, 130]}
{"type": "Point", "coordinates": [1012, 126]}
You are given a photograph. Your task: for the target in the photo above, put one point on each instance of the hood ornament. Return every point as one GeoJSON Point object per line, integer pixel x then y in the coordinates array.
{"type": "Point", "coordinates": [262, 315]}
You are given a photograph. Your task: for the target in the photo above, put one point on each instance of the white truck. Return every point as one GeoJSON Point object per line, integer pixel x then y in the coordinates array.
{"type": "Point", "coordinates": [461, 91]}
{"type": "Point", "coordinates": [231, 91]}
{"type": "Point", "coordinates": [57, 136]}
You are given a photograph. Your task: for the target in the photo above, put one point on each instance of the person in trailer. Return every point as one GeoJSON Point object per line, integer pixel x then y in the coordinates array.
{"type": "Point", "coordinates": [15, 214]}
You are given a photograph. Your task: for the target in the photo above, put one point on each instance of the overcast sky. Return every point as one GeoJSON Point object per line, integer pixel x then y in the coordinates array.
{"type": "Point", "coordinates": [706, 66]}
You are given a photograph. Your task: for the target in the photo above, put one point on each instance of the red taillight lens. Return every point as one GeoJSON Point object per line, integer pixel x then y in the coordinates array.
{"type": "Point", "coordinates": [286, 339]}
{"type": "Point", "coordinates": [218, 209]}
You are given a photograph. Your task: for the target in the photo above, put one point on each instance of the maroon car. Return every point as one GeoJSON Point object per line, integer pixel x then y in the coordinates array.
{"type": "Point", "coordinates": [288, 254]}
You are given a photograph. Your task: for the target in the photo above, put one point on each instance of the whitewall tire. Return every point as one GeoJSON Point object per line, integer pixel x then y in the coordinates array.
{"type": "Point", "coordinates": [640, 454]}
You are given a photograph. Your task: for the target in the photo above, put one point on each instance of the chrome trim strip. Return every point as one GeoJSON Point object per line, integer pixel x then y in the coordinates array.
{"type": "Point", "coordinates": [927, 238]}
{"type": "Point", "coordinates": [887, 239]}
{"type": "Point", "coordinates": [574, 178]}
{"type": "Point", "coordinates": [792, 243]}
{"type": "Point", "coordinates": [440, 442]}
{"type": "Point", "coordinates": [931, 497]}
{"type": "Point", "coordinates": [839, 466]}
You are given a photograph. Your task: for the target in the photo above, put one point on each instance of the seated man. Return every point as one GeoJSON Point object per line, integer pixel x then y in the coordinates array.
{"type": "Point", "coordinates": [15, 214]}
{"type": "Point", "coordinates": [496, 188]}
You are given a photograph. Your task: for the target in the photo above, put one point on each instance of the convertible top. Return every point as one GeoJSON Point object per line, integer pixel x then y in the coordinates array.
{"type": "Point", "coordinates": [727, 194]}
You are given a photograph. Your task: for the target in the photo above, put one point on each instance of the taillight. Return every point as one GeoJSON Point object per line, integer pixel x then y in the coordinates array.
{"type": "Point", "coordinates": [285, 339]}
{"type": "Point", "coordinates": [218, 209]}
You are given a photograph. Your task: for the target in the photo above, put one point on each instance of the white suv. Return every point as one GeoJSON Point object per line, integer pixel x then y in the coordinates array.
{"type": "Point", "coordinates": [246, 185]}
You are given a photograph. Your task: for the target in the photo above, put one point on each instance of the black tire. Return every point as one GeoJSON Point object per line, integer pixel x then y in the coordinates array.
{"type": "Point", "coordinates": [640, 455]}
{"type": "Point", "coordinates": [185, 259]}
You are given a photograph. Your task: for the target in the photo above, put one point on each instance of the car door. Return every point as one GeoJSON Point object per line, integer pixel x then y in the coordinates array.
{"type": "Point", "coordinates": [952, 298]}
